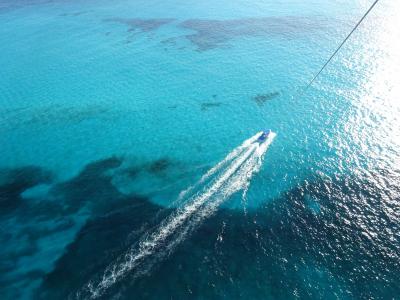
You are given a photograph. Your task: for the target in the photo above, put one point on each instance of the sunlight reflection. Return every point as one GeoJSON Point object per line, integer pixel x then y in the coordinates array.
{"type": "Point", "coordinates": [375, 121]}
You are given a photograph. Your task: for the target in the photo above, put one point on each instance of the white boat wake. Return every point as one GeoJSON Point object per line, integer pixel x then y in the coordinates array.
{"type": "Point", "coordinates": [219, 183]}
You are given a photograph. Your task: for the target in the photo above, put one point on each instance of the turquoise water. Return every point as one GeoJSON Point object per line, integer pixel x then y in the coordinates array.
{"type": "Point", "coordinates": [109, 110]}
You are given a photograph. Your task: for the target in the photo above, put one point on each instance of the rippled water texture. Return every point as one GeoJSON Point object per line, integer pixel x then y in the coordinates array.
{"type": "Point", "coordinates": [128, 166]}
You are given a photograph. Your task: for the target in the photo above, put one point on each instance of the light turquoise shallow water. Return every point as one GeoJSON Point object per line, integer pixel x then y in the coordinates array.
{"type": "Point", "coordinates": [108, 104]}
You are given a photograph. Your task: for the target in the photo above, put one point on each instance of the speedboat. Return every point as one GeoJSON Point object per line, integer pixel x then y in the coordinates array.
{"type": "Point", "coordinates": [263, 136]}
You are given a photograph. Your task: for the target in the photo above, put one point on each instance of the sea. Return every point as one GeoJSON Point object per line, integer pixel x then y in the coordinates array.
{"type": "Point", "coordinates": [132, 164]}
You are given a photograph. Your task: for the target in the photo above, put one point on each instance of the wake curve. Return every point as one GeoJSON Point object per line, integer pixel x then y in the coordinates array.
{"type": "Point", "coordinates": [230, 175]}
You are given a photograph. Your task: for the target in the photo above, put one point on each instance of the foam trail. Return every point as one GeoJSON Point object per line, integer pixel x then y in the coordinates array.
{"type": "Point", "coordinates": [240, 165]}
{"type": "Point", "coordinates": [239, 180]}
{"type": "Point", "coordinates": [233, 154]}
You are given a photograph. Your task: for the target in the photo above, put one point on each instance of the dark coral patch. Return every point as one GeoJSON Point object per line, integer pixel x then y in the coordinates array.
{"type": "Point", "coordinates": [100, 241]}
{"type": "Point", "coordinates": [159, 165]}
{"type": "Point", "coordinates": [9, 5]}
{"type": "Point", "coordinates": [260, 99]}
{"type": "Point", "coordinates": [75, 14]}
{"type": "Point", "coordinates": [50, 115]}
{"type": "Point", "coordinates": [207, 105]}
{"type": "Point", "coordinates": [141, 25]}
{"type": "Point", "coordinates": [93, 186]}
{"type": "Point", "coordinates": [275, 251]}
{"type": "Point", "coordinates": [132, 171]}
{"type": "Point", "coordinates": [54, 215]}
{"type": "Point", "coordinates": [13, 182]}
{"type": "Point", "coordinates": [211, 34]}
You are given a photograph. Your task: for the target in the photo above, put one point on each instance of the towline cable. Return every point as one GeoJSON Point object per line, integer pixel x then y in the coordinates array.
{"type": "Point", "coordinates": [338, 48]}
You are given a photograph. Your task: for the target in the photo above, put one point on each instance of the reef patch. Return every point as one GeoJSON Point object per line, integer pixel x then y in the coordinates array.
{"type": "Point", "coordinates": [110, 234]}
{"type": "Point", "coordinates": [50, 115]}
{"type": "Point", "coordinates": [210, 34]}
{"type": "Point", "coordinates": [141, 25]}
{"type": "Point", "coordinates": [75, 14]}
{"type": "Point", "coordinates": [260, 99]}
{"type": "Point", "coordinates": [208, 105]}
{"type": "Point", "coordinates": [159, 165]}
{"type": "Point", "coordinates": [233, 253]}
{"type": "Point", "coordinates": [92, 186]}
{"type": "Point", "coordinates": [13, 182]}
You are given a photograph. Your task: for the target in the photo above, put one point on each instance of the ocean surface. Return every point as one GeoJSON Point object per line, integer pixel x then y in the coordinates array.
{"type": "Point", "coordinates": [128, 162]}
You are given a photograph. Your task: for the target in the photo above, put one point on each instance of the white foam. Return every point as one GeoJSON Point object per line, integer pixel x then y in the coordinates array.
{"type": "Point", "coordinates": [233, 154]}
{"type": "Point", "coordinates": [231, 175]}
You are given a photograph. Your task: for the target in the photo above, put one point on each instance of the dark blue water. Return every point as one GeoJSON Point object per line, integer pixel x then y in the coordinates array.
{"type": "Point", "coordinates": [111, 115]}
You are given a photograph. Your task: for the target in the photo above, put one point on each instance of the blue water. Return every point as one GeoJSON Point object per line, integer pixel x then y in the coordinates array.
{"type": "Point", "coordinates": [111, 109]}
